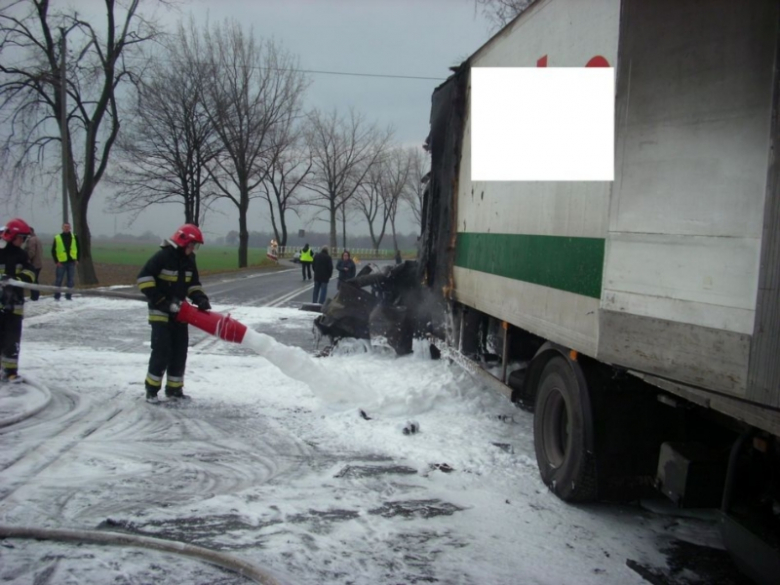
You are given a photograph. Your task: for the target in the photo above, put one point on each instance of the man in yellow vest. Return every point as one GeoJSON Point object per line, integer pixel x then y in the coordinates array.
{"type": "Point", "coordinates": [307, 257]}
{"type": "Point", "coordinates": [65, 251]}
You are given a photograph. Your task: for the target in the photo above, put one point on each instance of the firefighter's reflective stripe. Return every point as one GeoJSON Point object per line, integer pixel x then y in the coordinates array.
{"type": "Point", "coordinates": [145, 282]}
{"type": "Point", "coordinates": [62, 255]}
{"type": "Point", "coordinates": [175, 381]}
{"type": "Point", "coordinates": [22, 271]}
{"type": "Point", "coordinates": [158, 316]}
{"type": "Point", "coordinates": [15, 303]}
{"type": "Point", "coordinates": [169, 275]}
{"type": "Point", "coordinates": [8, 363]}
{"type": "Point", "coordinates": [188, 276]}
{"type": "Point", "coordinates": [194, 289]}
{"type": "Point", "coordinates": [152, 380]}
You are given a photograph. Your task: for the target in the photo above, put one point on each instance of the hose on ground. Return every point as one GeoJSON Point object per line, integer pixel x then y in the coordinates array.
{"type": "Point", "coordinates": [224, 560]}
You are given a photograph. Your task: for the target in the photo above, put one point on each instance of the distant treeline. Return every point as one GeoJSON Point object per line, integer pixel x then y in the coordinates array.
{"type": "Point", "coordinates": [263, 239]}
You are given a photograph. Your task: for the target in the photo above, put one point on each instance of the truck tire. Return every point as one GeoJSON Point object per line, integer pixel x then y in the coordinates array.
{"type": "Point", "coordinates": [561, 416]}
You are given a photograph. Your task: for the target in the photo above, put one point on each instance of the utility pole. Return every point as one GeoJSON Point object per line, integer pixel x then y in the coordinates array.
{"type": "Point", "coordinates": [64, 125]}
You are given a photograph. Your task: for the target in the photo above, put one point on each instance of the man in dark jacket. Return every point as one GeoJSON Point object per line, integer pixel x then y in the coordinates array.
{"type": "Point", "coordinates": [167, 278]}
{"type": "Point", "coordinates": [15, 264]}
{"type": "Point", "coordinates": [65, 251]}
{"type": "Point", "coordinates": [323, 270]}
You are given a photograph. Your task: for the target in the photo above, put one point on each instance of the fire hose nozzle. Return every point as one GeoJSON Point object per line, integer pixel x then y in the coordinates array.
{"type": "Point", "coordinates": [222, 326]}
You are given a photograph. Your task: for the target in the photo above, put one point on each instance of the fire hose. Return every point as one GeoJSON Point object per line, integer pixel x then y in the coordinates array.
{"type": "Point", "coordinates": [222, 326]}
{"type": "Point", "coordinates": [218, 558]}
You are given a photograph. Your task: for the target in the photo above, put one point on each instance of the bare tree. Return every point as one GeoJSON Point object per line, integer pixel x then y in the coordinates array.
{"type": "Point", "coordinates": [343, 151]}
{"type": "Point", "coordinates": [369, 200]}
{"type": "Point", "coordinates": [289, 169]}
{"type": "Point", "coordinates": [501, 12]}
{"type": "Point", "coordinates": [398, 167]}
{"type": "Point", "coordinates": [253, 90]}
{"type": "Point", "coordinates": [346, 212]}
{"type": "Point", "coordinates": [385, 187]}
{"type": "Point", "coordinates": [170, 143]}
{"type": "Point", "coordinates": [31, 105]}
{"type": "Point", "coordinates": [418, 178]}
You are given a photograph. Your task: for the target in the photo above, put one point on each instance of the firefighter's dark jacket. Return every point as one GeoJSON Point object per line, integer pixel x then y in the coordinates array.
{"type": "Point", "coordinates": [169, 276]}
{"type": "Point", "coordinates": [15, 263]}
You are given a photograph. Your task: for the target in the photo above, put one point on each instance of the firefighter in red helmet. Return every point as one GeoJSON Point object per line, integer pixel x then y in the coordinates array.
{"type": "Point", "coordinates": [15, 264]}
{"type": "Point", "coordinates": [167, 279]}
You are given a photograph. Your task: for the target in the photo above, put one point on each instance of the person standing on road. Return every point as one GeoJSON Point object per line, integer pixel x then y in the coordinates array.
{"type": "Point", "coordinates": [306, 259]}
{"type": "Point", "coordinates": [346, 269]}
{"type": "Point", "coordinates": [65, 251]}
{"type": "Point", "coordinates": [14, 263]}
{"type": "Point", "coordinates": [35, 254]}
{"type": "Point", "coordinates": [323, 270]}
{"type": "Point", "coordinates": [398, 258]}
{"type": "Point", "coordinates": [167, 278]}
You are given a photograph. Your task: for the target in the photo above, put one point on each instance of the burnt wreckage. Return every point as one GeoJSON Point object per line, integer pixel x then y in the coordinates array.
{"type": "Point", "coordinates": [386, 303]}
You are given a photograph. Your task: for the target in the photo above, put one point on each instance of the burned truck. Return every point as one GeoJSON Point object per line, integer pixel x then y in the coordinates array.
{"type": "Point", "coordinates": [638, 319]}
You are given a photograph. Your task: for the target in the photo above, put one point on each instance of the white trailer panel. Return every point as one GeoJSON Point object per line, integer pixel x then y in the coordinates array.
{"type": "Point", "coordinates": [499, 222]}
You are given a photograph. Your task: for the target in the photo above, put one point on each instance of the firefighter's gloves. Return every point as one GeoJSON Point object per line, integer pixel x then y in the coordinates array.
{"type": "Point", "coordinates": [174, 307]}
{"type": "Point", "coordinates": [203, 304]}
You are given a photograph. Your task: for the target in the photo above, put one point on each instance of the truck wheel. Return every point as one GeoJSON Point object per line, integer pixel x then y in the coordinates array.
{"type": "Point", "coordinates": [561, 416]}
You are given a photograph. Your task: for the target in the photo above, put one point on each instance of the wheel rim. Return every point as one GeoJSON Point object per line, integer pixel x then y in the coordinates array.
{"type": "Point", "coordinates": [556, 428]}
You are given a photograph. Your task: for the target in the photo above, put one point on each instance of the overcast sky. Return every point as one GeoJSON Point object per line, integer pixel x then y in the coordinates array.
{"type": "Point", "coordinates": [420, 38]}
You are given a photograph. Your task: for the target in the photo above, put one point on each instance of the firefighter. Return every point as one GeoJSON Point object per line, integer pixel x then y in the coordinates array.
{"type": "Point", "coordinates": [14, 263]}
{"type": "Point", "coordinates": [167, 278]}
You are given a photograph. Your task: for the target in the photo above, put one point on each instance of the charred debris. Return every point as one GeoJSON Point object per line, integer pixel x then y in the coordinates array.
{"type": "Point", "coordinates": [383, 305]}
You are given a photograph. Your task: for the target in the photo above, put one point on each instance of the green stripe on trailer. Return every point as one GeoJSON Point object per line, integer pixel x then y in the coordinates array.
{"type": "Point", "coordinates": [570, 264]}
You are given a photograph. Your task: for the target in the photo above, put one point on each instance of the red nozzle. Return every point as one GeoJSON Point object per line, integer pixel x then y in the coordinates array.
{"type": "Point", "coordinates": [222, 326]}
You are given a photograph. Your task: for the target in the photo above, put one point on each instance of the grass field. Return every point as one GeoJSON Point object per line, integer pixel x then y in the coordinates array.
{"type": "Point", "coordinates": [210, 258]}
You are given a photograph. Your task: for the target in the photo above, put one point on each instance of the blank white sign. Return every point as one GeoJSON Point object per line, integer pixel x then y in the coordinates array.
{"type": "Point", "coordinates": [542, 124]}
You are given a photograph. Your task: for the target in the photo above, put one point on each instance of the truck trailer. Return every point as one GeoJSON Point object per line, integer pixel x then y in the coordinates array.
{"type": "Point", "coordinates": [639, 319]}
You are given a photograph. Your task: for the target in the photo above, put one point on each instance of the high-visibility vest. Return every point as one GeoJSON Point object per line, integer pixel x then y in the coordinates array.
{"type": "Point", "coordinates": [62, 255]}
{"type": "Point", "coordinates": [307, 256]}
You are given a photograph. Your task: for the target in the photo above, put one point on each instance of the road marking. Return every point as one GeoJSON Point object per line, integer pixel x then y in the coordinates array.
{"type": "Point", "coordinates": [289, 296]}
{"type": "Point", "coordinates": [229, 280]}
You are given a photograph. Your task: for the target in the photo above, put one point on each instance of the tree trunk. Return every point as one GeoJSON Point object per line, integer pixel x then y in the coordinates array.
{"type": "Point", "coordinates": [332, 227]}
{"type": "Point", "coordinates": [283, 240]}
{"type": "Point", "coordinates": [343, 228]}
{"type": "Point", "coordinates": [86, 267]}
{"type": "Point", "coordinates": [243, 238]}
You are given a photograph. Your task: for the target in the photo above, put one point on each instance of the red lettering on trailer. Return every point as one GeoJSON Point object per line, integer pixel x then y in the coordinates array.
{"type": "Point", "coordinates": [597, 61]}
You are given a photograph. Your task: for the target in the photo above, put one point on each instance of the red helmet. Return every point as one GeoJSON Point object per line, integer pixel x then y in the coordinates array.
{"type": "Point", "coordinates": [187, 234]}
{"type": "Point", "coordinates": [15, 227]}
